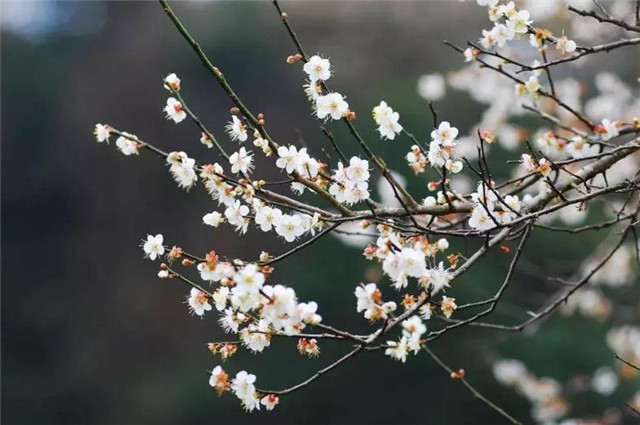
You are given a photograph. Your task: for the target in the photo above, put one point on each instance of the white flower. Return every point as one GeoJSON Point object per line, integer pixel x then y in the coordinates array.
{"type": "Point", "coordinates": [229, 321]}
{"type": "Point", "coordinates": [358, 170]}
{"type": "Point", "coordinates": [126, 145]}
{"type": "Point", "coordinates": [414, 326]}
{"type": "Point", "coordinates": [519, 22]}
{"type": "Point", "coordinates": [610, 130]}
{"type": "Point", "coordinates": [212, 219]}
{"type": "Point", "coordinates": [174, 110]}
{"type": "Point", "coordinates": [331, 105]}
{"type": "Point", "coordinates": [398, 350]}
{"type": "Point", "coordinates": [256, 337]}
{"type": "Point", "coordinates": [307, 313]}
{"type": "Point", "coordinates": [220, 298]}
{"type": "Point", "coordinates": [532, 85]}
{"type": "Point", "coordinates": [387, 120]}
{"type": "Point", "coordinates": [469, 54]}
{"type": "Point", "coordinates": [241, 161]}
{"type": "Point", "coordinates": [408, 262]}
{"type": "Point", "coordinates": [448, 306]}
{"type": "Point", "coordinates": [182, 168]}
{"type": "Point", "coordinates": [235, 214]}
{"type": "Point", "coordinates": [289, 227]}
{"type": "Point", "coordinates": [267, 217]}
{"type": "Point", "coordinates": [270, 401]}
{"type": "Point", "coordinates": [487, 2]}
{"type": "Point", "coordinates": [436, 155]}
{"type": "Point", "coordinates": [445, 134]}
{"type": "Point", "coordinates": [198, 302]}
{"type": "Point", "coordinates": [289, 159]}
{"type": "Point", "coordinates": [206, 140]}
{"type": "Point", "coordinates": [102, 132]}
{"type": "Point", "coordinates": [439, 277]}
{"type": "Point", "coordinates": [249, 279]}
{"type": "Point", "coordinates": [579, 148]}
{"type": "Point", "coordinates": [153, 247]}
{"type": "Point", "coordinates": [317, 68]}
{"type": "Point", "coordinates": [236, 129]}
{"type": "Point", "coordinates": [243, 385]}
{"type": "Point", "coordinates": [529, 163]}
{"type": "Point", "coordinates": [172, 81]}
{"type": "Point", "coordinates": [454, 166]}
{"type": "Point", "coordinates": [431, 86]}
{"type": "Point", "coordinates": [480, 219]}
{"type": "Point", "coordinates": [565, 45]}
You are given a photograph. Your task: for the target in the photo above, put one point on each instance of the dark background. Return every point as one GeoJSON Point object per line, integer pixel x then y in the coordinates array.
{"type": "Point", "coordinates": [90, 335]}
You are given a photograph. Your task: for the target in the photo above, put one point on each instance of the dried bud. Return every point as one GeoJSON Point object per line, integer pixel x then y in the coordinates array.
{"type": "Point", "coordinates": [365, 224]}
{"type": "Point", "coordinates": [260, 122]}
{"type": "Point", "coordinates": [187, 262]}
{"type": "Point", "coordinates": [453, 259]}
{"type": "Point", "coordinates": [433, 186]}
{"type": "Point", "coordinates": [635, 122]}
{"type": "Point", "coordinates": [234, 110]}
{"type": "Point", "coordinates": [163, 266]}
{"type": "Point", "coordinates": [505, 249]}
{"type": "Point", "coordinates": [284, 15]}
{"type": "Point", "coordinates": [266, 270]}
{"type": "Point", "coordinates": [351, 115]}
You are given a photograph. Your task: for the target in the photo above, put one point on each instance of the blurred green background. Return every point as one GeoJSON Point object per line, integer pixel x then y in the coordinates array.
{"type": "Point", "coordinates": [90, 335]}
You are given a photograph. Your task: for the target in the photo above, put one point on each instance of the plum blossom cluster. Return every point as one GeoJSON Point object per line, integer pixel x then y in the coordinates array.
{"type": "Point", "coordinates": [587, 152]}
{"type": "Point", "coordinates": [545, 394]}
{"type": "Point", "coordinates": [243, 387]}
{"type": "Point", "coordinates": [387, 120]}
{"type": "Point", "coordinates": [489, 211]}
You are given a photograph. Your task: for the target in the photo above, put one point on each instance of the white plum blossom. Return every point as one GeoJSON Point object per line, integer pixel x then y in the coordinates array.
{"type": "Point", "coordinates": [153, 247]}
{"type": "Point", "coordinates": [565, 45]}
{"type": "Point", "coordinates": [236, 129]}
{"type": "Point", "coordinates": [267, 217]}
{"type": "Point", "coordinates": [387, 120]}
{"type": "Point", "coordinates": [369, 300]}
{"type": "Point", "coordinates": [241, 161]}
{"type": "Point", "coordinates": [198, 302]}
{"type": "Point", "coordinates": [317, 68]}
{"type": "Point", "coordinates": [220, 298]}
{"type": "Point", "coordinates": [172, 81]}
{"type": "Point", "coordinates": [102, 133]}
{"type": "Point", "coordinates": [235, 214]}
{"type": "Point", "coordinates": [445, 133]}
{"type": "Point", "coordinates": [609, 130]}
{"type": "Point", "coordinates": [288, 158]}
{"type": "Point", "coordinates": [212, 219]}
{"type": "Point", "coordinates": [351, 184]}
{"type": "Point", "coordinates": [126, 145]}
{"type": "Point", "coordinates": [290, 227]}
{"type": "Point", "coordinates": [270, 401]}
{"type": "Point", "coordinates": [243, 386]}
{"type": "Point", "coordinates": [331, 105]}
{"type": "Point", "coordinates": [182, 168]}
{"type": "Point", "coordinates": [256, 337]}
{"type": "Point", "coordinates": [174, 110]}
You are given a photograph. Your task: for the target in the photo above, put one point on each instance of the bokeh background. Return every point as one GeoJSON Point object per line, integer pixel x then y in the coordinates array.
{"type": "Point", "coordinates": [90, 335]}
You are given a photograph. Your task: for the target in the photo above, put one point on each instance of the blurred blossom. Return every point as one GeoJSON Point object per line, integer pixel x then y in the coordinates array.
{"type": "Point", "coordinates": [36, 20]}
{"type": "Point", "coordinates": [431, 86]}
{"type": "Point", "coordinates": [604, 381]}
